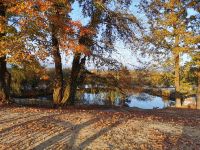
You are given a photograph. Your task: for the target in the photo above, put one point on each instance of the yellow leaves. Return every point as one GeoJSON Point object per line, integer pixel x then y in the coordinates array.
{"type": "Point", "coordinates": [19, 7]}
{"type": "Point", "coordinates": [17, 58]}
{"type": "Point", "coordinates": [180, 49]}
{"type": "Point", "coordinates": [192, 3]}
{"type": "Point", "coordinates": [172, 3]}
{"type": "Point", "coordinates": [185, 87]}
{"type": "Point", "coordinates": [171, 27]}
{"type": "Point", "coordinates": [162, 33]}
{"type": "Point", "coordinates": [13, 47]}
{"type": "Point", "coordinates": [99, 5]}
{"type": "Point", "coordinates": [3, 51]}
{"type": "Point", "coordinates": [181, 30]}
{"type": "Point", "coordinates": [188, 40]}
{"type": "Point", "coordinates": [171, 19]}
{"type": "Point", "coordinates": [197, 39]}
{"type": "Point", "coordinates": [155, 79]}
{"type": "Point", "coordinates": [29, 7]}
{"type": "Point", "coordinates": [192, 39]}
{"type": "Point", "coordinates": [2, 29]}
{"type": "Point", "coordinates": [42, 53]}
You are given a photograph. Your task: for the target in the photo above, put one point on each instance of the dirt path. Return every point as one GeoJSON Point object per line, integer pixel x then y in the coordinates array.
{"type": "Point", "coordinates": [30, 128]}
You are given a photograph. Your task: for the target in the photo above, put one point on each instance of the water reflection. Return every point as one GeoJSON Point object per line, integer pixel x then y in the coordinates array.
{"type": "Point", "coordinates": [146, 101]}
{"type": "Point", "coordinates": [140, 100]}
{"type": "Point", "coordinates": [89, 98]}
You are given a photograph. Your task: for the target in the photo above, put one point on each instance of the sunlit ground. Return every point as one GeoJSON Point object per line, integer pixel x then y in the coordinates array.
{"type": "Point", "coordinates": [25, 128]}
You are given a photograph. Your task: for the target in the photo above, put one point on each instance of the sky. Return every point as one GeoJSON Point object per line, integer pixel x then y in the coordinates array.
{"type": "Point", "coordinates": [124, 55]}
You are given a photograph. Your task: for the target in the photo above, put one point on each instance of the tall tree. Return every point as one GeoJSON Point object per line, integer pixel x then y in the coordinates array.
{"type": "Point", "coordinates": [58, 83]}
{"type": "Point", "coordinates": [169, 33]}
{"type": "Point", "coordinates": [195, 65]}
{"type": "Point", "coordinates": [4, 74]}
{"type": "Point", "coordinates": [64, 38]}
{"type": "Point", "coordinates": [14, 45]}
{"type": "Point", "coordinates": [194, 23]}
{"type": "Point", "coordinates": [109, 22]}
{"type": "Point", "coordinates": [52, 31]}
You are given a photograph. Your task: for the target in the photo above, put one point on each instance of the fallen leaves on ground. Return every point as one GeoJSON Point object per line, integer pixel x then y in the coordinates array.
{"type": "Point", "coordinates": [98, 128]}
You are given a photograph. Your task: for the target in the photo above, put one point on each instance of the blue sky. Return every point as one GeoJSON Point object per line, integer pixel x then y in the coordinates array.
{"type": "Point", "coordinates": [124, 55]}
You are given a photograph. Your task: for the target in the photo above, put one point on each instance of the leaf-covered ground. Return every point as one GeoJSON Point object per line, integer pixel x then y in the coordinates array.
{"type": "Point", "coordinates": [96, 128]}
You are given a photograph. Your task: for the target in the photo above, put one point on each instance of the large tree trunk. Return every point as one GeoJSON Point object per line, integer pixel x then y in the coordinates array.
{"type": "Point", "coordinates": [71, 89]}
{"type": "Point", "coordinates": [177, 73]}
{"type": "Point", "coordinates": [77, 65]}
{"type": "Point", "coordinates": [177, 80]}
{"type": "Point", "coordinates": [78, 62]}
{"type": "Point", "coordinates": [198, 91]}
{"type": "Point", "coordinates": [5, 79]}
{"type": "Point", "coordinates": [4, 74]}
{"type": "Point", "coordinates": [58, 82]}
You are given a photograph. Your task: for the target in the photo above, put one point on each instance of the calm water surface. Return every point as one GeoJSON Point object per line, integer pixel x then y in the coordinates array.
{"type": "Point", "coordinates": [140, 100]}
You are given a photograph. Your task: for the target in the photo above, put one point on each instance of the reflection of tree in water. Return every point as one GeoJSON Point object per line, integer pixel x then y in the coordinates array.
{"type": "Point", "coordinates": [167, 102]}
{"type": "Point", "coordinates": [93, 98]}
{"type": "Point", "coordinates": [145, 97]}
{"type": "Point", "coordinates": [116, 98]}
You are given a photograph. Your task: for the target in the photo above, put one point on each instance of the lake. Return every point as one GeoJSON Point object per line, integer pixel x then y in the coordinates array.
{"type": "Point", "coordinates": [140, 100]}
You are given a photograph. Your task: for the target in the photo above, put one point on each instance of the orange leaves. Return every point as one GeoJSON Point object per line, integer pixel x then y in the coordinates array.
{"type": "Point", "coordinates": [67, 29]}
{"type": "Point", "coordinates": [29, 7]}
{"type": "Point", "coordinates": [44, 77]}
{"type": "Point", "coordinates": [35, 19]}
{"type": "Point", "coordinates": [2, 24]}
{"type": "Point", "coordinates": [76, 23]}
{"type": "Point", "coordinates": [18, 57]}
{"type": "Point", "coordinates": [77, 48]}
{"type": "Point", "coordinates": [86, 31]}
{"type": "Point", "coordinates": [43, 5]}
{"type": "Point", "coordinates": [21, 7]}
{"type": "Point", "coordinates": [70, 43]}
{"type": "Point", "coordinates": [42, 54]}
{"type": "Point", "coordinates": [72, 27]}
{"type": "Point", "coordinates": [82, 49]}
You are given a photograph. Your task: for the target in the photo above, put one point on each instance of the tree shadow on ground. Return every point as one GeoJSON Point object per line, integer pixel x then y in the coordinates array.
{"type": "Point", "coordinates": [70, 135]}
{"type": "Point", "coordinates": [13, 119]}
{"type": "Point", "coordinates": [71, 132]}
{"type": "Point", "coordinates": [189, 137]}
{"type": "Point", "coordinates": [27, 122]}
{"type": "Point", "coordinates": [89, 140]}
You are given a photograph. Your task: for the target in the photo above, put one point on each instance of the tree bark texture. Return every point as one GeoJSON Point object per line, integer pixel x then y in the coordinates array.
{"type": "Point", "coordinates": [5, 76]}
{"type": "Point", "coordinates": [58, 82]}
